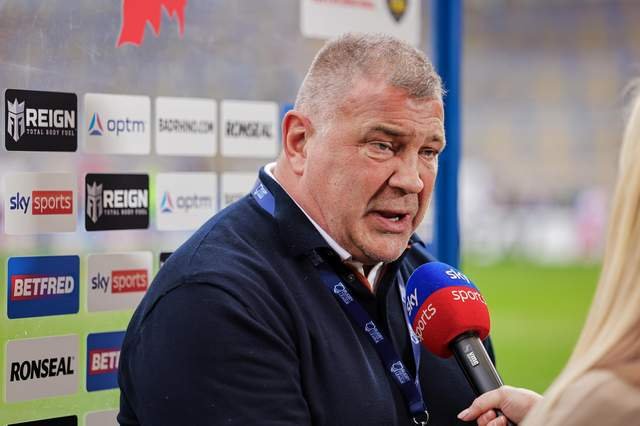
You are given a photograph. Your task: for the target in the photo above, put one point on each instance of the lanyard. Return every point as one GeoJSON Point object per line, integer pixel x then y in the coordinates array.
{"type": "Point", "coordinates": [409, 386]}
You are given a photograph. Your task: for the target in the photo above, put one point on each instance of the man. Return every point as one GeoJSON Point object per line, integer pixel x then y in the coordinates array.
{"type": "Point", "coordinates": [251, 321]}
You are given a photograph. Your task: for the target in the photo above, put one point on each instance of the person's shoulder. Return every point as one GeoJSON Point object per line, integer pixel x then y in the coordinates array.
{"type": "Point", "coordinates": [598, 397]}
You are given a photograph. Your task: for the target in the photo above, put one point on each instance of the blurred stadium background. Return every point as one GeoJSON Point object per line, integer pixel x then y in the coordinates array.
{"type": "Point", "coordinates": [544, 86]}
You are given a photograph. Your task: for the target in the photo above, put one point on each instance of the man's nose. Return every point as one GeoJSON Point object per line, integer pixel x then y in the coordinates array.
{"type": "Point", "coordinates": [406, 177]}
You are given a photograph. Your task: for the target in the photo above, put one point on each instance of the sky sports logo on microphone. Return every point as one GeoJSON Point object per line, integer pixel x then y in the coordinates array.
{"type": "Point", "coordinates": [103, 357]}
{"type": "Point", "coordinates": [42, 285]}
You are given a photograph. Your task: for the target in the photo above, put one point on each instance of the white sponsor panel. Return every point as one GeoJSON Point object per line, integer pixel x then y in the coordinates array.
{"type": "Point", "coordinates": [117, 124]}
{"type": "Point", "coordinates": [41, 368]}
{"type": "Point", "coordinates": [186, 126]}
{"type": "Point", "coordinates": [118, 281]}
{"type": "Point", "coordinates": [184, 201]}
{"type": "Point", "coordinates": [101, 418]}
{"type": "Point", "coordinates": [236, 185]}
{"type": "Point", "coordinates": [36, 203]}
{"type": "Point", "coordinates": [249, 129]}
{"type": "Point", "coordinates": [330, 18]}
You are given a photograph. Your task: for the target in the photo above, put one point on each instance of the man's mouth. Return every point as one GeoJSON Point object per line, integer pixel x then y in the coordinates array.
{"type": "Point", "coordinates": [393, 221]}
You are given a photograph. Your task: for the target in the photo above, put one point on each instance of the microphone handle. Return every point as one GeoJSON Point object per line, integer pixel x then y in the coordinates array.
{"type": "Point", "coordinates": [474, 361]}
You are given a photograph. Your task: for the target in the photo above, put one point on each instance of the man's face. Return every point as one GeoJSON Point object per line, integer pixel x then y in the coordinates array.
{"type": "Point", "coordinates": [369, 174]}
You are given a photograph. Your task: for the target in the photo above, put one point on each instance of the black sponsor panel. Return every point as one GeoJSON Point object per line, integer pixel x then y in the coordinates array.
{"type": "Point", "coordinates": [40, 121]}
{"type": "Point", "coordinates": [58, 421]}
{"type": "Point", "coordinates": [116, 201]}
{"type": "Point", "coordinates": [164, 256]}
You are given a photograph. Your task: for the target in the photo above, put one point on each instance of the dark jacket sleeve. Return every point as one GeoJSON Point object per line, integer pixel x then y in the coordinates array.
{"type": "Point", "coordinates": [201, 357]}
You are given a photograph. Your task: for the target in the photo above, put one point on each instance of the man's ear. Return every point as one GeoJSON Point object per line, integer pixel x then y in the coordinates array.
{"type": "Point", "coordinates": [296, 130]}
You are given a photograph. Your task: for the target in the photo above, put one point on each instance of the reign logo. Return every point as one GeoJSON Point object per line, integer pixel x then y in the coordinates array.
{"type": "Point", "coordinates": [40, 121]}
{"type": "Point", "coordinates": [116, 201]}
{"type": "Point", "coordinates": [15, 119]}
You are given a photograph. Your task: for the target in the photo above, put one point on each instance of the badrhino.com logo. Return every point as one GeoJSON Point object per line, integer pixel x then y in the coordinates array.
{"type": "Point", "coordinates": [115, 201]}
{"type": "Point", "coordinates": [40, 121]}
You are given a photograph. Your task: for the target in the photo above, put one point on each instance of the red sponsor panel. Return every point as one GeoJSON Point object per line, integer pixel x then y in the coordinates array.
{"type": "Point", "coordinates": [52, 202]}
{"type": "Point", "coordinates": [444, 315]}
{"type": "Point", "coordinates": [129, 281]}
{"type": "Point", "coordinates": [104, 360]}
{"type": "Point", "coordinates": [20, 288]}
{"type": "Point", "coordinates": [136, 14]}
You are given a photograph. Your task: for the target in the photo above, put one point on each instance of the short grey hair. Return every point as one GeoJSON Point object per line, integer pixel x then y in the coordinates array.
{"type": "Point", "coordinates": [350, 57]}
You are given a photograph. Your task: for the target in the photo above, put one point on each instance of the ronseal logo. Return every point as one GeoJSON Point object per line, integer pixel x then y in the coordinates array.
{"type": "Point", "coordinates": [40, 121]}
{"type": "Point", "coordinates": [42, 285]}
{"type": "Point", "coordinates": [186, 126]}
{"type": "Point", "coordinates": [117, 281]}
{"type": "Point", "coordinates": [39, 203]}
{"type": "Point", "coordinates": [116, 201]}
{"type": "Point", "coordinates": [117, 124]}
{"type": "Point", "coordinates": [103, 356]}
{"type": "Point", "coordinates": [40, 368]}
{"type": "Point", "coordinates": [185, 200]}
{"type": "Point", "coordinates": [249, 128]}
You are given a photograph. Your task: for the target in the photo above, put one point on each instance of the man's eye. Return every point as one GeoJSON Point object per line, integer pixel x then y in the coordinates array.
{"type": "Point", "coordinates": [382, 146]}
{"type": "Point", "coordinates": [429, 153]}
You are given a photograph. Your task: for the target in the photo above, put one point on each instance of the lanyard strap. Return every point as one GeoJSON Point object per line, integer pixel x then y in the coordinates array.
{"type": "Point", "coordinates": [409, 386]}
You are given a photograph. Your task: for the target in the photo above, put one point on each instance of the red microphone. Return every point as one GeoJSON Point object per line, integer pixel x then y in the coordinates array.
{"type": "Point", "coordinates": [450, 317]}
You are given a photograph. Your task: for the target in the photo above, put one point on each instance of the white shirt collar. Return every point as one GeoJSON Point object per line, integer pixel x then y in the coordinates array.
{"type": "Point", "coordinates": [344, 255]}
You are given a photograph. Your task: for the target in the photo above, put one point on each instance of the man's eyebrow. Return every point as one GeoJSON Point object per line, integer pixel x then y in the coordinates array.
{"type": "Point", "coordinates": [391, 131]}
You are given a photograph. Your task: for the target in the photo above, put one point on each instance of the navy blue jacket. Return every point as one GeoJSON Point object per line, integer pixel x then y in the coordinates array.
{"type": "Point", "coordinates": [238, 329]}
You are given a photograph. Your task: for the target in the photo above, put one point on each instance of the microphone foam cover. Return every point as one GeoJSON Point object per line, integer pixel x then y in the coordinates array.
{"type": "Point", "coordinates": [442, 303]}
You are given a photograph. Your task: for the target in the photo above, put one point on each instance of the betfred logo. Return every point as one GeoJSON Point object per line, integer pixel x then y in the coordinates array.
{"type": "Point", "coordinates": [118, 281]}
{"type": "Point", "coordinates": [103, 356]}
{"type": "Point", "coordinates": [40, 368]}
{"type": "Point", "coordinates": [102, 361]}
{"type": "Point", "coordinates": [42, 285]}
{"type": "Point", "coordinates": [27, 287]}
{"type": "Point", "coordinates": [40, 202]}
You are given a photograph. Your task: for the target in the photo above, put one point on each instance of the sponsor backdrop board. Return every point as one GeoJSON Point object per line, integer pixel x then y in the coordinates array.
{"type": "Point", "coordinates": [36, 203]}
{"type": "Point", "coordinates": [184, 201]}
{"type": "Point", "coordinates": [249, 128]}
{"type": "Point", "coordinates": [186, 126]}
{"type": "Point", "coordinates": [117, 124]}
{"type": "Point", "coordinates": [96, 110]}
{"type": "Point", "coordinates": [327, 19]}
{"type": "Point", "coordinates": [234, 186]}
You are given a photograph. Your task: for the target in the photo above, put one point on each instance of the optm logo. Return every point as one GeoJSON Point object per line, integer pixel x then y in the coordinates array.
{"type": "Point", "coordinates": [95, 125]}
{"type": "Point", "coordinates": [166, 205]}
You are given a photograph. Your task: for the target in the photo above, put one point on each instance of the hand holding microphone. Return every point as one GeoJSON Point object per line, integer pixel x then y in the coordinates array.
{"type": "Point", "coordinates": [450, 317]}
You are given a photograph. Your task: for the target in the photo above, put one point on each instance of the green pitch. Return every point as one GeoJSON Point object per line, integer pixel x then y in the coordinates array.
{"type": "Point", "coordinates": [537, 313]}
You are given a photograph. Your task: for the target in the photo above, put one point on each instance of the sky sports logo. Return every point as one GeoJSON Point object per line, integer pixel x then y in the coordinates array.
{"type": "Point", "coordinates": [43, 202]}
{"type": "Point", "coordinates": [117, 281]}
{"type": "Point", "coordinates": [40, 121]}
{"type": "Point", "coordinates": [122, 281]}
{"type": "Point", "coordinates": [103, 357]}
{"type": "Point", "coordinates": [40, 203]}
{"type": "Point", "coordinates": [42, 286]}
